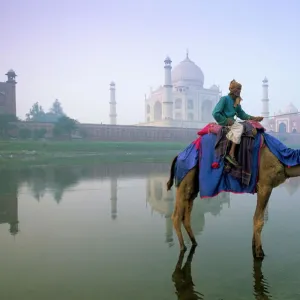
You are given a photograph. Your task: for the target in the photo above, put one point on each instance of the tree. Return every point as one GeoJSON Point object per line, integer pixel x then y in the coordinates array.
{"type": "Point", "coordinates": [64, 126]}
{"type": "Point", "coordinates": [5, 124]}
{"type": "Point", "coordinates": [39, 133]}
{"type": "Point", "coordinates": [25, 133]}
{"type": "Point", "coordinates": [83, 133]}
{"type": "Point", "coordinates": [36, 113]}
{"type": "Point", "coordinates": [56, 109]}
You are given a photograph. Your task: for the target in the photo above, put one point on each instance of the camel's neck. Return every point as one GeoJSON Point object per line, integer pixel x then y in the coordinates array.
{"type": "Point", "coordinates": [292, 171]}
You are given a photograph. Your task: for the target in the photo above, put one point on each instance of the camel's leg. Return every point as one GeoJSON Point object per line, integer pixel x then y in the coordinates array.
{"type": "Point", "coordinates": [177, 217]}
{"type": "Point", "coordinates": [187, 220]}
{"type": "Point", "coordinates": [185, 194]}
{"type": "Point", "coordinates": [263, 195]}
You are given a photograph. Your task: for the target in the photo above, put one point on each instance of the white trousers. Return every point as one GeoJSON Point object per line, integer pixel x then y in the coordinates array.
{"type": "Point", "coordinates": [235, 132]}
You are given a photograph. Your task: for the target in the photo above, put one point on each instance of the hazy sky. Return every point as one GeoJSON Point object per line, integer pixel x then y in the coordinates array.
{"type": "Point", "coordinates": [71, 50]}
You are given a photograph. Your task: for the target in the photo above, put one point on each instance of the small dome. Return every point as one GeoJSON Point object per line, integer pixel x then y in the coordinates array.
{"type": "Point", "coordinates": [214, 87]}
{"type": "Point", "coordinates": [290, 109]}
{"type": "Point", "coordinates": [187, 71]}
{"type": "Point", "coordinates": [112, 83]}
{"type": "Point", "coordinates": [167, 60]}
{"type": "Point", "coordinates": [11, 73]}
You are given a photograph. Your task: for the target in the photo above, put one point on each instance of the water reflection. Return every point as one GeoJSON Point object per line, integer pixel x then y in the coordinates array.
{"type": "Point", "coordinates": [162, 202]}
{"type": "Point", "coordinates": [260, 283]}
{"type": "Point", "coordinates": [186, 290]}
{"type": "Point", "coordinates": [9, 202]}
{"type": "Point", "coordinates": [183, 280]}
{"type": "Point", "coordinates": [56, 180]}
{"type": "Point", "coordinates": [113, 197]}
{"type": "Point", "coordinates": [80, 242]}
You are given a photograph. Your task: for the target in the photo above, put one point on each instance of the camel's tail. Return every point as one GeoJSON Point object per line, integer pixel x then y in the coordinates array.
{"type": "Point", "coordinates": [172, 174]}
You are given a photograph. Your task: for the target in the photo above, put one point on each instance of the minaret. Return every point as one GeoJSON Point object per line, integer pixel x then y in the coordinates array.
{"type": "Point", "coordinates": [11, 80]}
{"type": "Point", "coordinates": [113, 197]}
{"type": "Point", "coordinates": [13, 214]}
{"type": "Point", "coordinates": [113, 104]}
{"type": "Point", "coordinates": [167, 107]}
{"type": "Point", "coordinates": [169, 223]}
{"type": "Point", "coordinates": [265, 103]}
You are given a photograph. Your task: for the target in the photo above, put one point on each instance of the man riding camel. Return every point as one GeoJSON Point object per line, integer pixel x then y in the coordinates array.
{"type": "Point", "coordinates": [224, 112]}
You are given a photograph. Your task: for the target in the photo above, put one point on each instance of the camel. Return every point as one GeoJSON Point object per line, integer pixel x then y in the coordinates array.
{"type": "Point", "coordinates": [271, 174]}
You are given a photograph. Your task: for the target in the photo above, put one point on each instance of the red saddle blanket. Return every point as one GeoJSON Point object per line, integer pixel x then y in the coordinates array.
{"type": "Point", "coordinates": [214, 127]}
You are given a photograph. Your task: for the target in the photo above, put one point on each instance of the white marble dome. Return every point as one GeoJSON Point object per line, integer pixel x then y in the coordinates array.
{"type": "Point", "coordinates": [290, 109]}
{"type": "Point", "coordinates": [187, 72]}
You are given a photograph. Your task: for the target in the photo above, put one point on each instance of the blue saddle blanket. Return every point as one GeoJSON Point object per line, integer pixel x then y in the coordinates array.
{"type": "Point", "coordinates": [213, 178]}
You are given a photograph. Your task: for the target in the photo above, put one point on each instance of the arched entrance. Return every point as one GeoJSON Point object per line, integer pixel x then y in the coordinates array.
{"type": "Point", "coordinates": [157, 111]}
{"type": "Point", "coordinates": [282, 128]}
{"type": "Point", "coordinates": [206, 111]}
{"type": "Point", "coordinates": [158, 190]}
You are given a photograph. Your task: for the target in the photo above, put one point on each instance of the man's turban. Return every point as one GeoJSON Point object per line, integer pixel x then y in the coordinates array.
{"type": "Point", "coordinates": [234, 85]}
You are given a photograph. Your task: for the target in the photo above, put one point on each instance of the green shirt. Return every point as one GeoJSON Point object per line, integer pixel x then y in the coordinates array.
{"type": "Point", "coordinates": [225, 110]}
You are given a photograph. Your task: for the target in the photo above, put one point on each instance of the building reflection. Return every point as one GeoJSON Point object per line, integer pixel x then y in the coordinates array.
{"type": "Point", "coordinates": [9, 202]}
{"type": "Point", "coordinates": [57, 179]}
{"type": "Point", "coordinates": [113, 197]}
{"type": "Point", "coordinates": [9, 212]}
{"type": "Point", "coordinates": [291, 185]}
{"type": "Point", "coordinates": [162, 202]}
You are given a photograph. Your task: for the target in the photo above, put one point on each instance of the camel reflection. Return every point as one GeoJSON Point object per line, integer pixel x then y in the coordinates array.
{"type": "Point", "coordinates": [260, 284]}
{"type": "Point", "coordinates": [183, 280]}
{"type": "Point", "coordinates": [186, 289]}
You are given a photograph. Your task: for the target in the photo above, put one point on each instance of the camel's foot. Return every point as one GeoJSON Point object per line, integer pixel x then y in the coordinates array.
{"type": "Point", "coordinates": [183, 248]}
{"type": "Point", "coordinates": [258, 252]}
{"type": "Point", "coordinates": [194, 243]}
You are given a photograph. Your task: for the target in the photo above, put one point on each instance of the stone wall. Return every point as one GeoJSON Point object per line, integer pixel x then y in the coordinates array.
{"type": "Point", "coordinates": [137, 133]}
{"type": "Point", "coordinates": [102, 132]}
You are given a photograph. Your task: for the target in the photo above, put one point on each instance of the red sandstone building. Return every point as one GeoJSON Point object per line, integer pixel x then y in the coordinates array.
{"type": "Point", "coordinates": [286, 121]}
{"type": "Point", "coordinates": [8, 94]}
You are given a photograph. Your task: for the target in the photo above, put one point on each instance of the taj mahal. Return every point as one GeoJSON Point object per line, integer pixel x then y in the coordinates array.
{"type": "Point", "coordinates": [183, 102]}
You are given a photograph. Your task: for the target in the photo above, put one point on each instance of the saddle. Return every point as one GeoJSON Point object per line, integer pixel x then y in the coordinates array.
{"type": "Point", "coordinates": [244, 149]}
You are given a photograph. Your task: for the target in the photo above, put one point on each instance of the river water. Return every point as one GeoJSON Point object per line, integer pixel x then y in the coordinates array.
{"type": "Point", "coordinates": [105, 232]}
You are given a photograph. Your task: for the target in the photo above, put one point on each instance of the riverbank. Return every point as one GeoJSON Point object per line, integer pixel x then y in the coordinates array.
{"type": "Point", "coordinates": [18, 154]}
{"type": "Point", "coordinates": [21, 154]}
{"type": "Point", "coordinates": [85, 146]}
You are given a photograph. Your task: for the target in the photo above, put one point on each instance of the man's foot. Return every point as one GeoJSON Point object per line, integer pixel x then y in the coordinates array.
{"type": "Point", "coordinates": [232, 160]}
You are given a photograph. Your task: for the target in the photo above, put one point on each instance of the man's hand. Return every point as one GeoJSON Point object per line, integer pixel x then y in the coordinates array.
{"type": "Point", "coordinates": [229, 122]}
{"type": "Point", "coordinates": [258, 119]}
